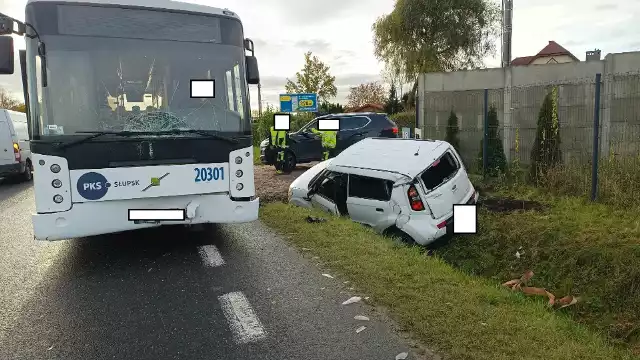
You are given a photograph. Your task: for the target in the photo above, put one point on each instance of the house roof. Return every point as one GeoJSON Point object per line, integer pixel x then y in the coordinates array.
{"type": "Point", "coordinates": [552, 49]}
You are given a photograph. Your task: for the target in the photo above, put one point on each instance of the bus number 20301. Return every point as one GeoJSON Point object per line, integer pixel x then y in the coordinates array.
{"type": "Point", "coordinates": [209, 173]}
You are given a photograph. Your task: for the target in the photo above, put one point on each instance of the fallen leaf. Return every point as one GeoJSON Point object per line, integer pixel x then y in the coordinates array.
{"type": "Point", "coordinates": [402, 356]}
{"type": "Point", "coordinates": [352, 300]}
{"type": "Point", "coordinates": [327, 275]}
{"type": "Point", "coordinates": [360, 329]}
{"type": "Point", "coordinates": [361, 317]}
{"type": "Point", "coordinates": [305, 249]}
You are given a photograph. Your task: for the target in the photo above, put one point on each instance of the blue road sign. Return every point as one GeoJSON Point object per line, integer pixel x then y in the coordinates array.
{"type": "Point", "coordinates": [298, 102]}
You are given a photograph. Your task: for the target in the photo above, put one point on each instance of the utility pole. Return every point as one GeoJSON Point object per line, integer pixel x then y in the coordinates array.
{"type": "Point", "coordinates": [507, 22]}
{"type": "Point", "coordinates": [259, 100]}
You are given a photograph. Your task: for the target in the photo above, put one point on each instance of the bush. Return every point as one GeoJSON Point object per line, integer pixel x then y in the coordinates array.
{"type": "Point", "coordinates": [452, 131]}
{"type": "Point", "coordinates": [546, 153]}
{"type": "Point", "coordinates": [495, 152]}
{"type": "Point", "coordinates": [404, 119]}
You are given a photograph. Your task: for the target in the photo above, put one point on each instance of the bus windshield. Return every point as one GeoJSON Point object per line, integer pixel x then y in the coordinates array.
{"type": "Point", "coordinates": [117, 83]}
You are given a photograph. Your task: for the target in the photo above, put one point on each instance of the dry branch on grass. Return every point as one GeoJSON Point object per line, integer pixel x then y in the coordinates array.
{"type": "Point", "coordinates": [516, 285]}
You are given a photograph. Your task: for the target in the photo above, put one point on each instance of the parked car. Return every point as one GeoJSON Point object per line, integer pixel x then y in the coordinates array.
{"type": "Point", "coordinates": [305, 146]}
{"type": "Point", "coordinates": [15, 150]}
{"type": "Point", "coordinates": [404, 187]}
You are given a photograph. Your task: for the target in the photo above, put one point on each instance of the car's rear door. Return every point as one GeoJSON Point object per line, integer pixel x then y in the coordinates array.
{"type": "Point", "coordinates": [445, 182]}
{"type": "Point", "coordinates": [368, 201]}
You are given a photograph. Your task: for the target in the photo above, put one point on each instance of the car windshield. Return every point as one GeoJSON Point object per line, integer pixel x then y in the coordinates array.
{"type": "Point", "coordinates": [113, 83]}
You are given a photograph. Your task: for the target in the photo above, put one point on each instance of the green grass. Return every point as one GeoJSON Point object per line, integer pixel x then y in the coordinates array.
{"type": "Point", "coordinates": [256, 155]}
{"type": "Point", "coordinates": [456, 314]}
{"type": "Point", "coordinates": [574, 248]}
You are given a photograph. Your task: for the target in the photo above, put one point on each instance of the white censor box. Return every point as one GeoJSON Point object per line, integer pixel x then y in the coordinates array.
{"type": "Point", "coordinates": [465, 219]}
{"type": "Point", "coordinates": [281, 122]}
{"type": "Point", "coordinates": [203, 89]}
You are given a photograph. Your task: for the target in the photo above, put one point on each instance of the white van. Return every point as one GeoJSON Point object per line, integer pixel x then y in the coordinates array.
{"type": "Point", "coordinates": [15, 150]}
{"type": "Point", "coordinates": [405, 187]}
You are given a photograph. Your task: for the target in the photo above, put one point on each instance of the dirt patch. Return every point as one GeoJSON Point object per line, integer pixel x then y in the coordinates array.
{"type": "Point", "coordinates": [507, 205]}
{"type": "Point", "coordinates": [271, 187]}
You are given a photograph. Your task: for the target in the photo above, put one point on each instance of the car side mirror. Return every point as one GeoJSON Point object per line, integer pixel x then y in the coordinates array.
{"type": "Point", "coordinates": [7, 66]}
{"type": "Point", "coordinates": [253, 74]}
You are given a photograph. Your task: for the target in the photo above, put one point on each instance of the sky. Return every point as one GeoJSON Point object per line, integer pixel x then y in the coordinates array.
{"type": "Point", "coordinates": [339, 33]}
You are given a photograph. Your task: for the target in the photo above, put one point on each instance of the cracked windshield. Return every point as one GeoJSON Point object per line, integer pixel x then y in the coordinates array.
{"type": "Point", "coordinates": [112, 83]}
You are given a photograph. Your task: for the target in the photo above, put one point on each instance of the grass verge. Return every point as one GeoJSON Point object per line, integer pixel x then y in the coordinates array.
{"type": "Point", "coordinates": [256, 156]}
{"type": "Point", "coordinates": [574, 247]}
{"type": "Point", "coordinates": [456, 314]}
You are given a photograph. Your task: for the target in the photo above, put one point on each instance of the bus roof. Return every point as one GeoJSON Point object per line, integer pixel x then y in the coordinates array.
{"type": "Point", "coordinates": [152, 4]}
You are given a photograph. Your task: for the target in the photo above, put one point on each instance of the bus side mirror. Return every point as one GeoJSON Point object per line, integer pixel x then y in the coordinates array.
{"type": "Point", "coordinates": [6, 55]}
{"type": "Point", "coordinates": [253, 74]}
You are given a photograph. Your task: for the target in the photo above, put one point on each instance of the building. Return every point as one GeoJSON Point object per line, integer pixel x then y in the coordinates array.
{"type": "Point", "coordinates": [367, 108]}
{"type": "Point", "coordinates": [553, 53]}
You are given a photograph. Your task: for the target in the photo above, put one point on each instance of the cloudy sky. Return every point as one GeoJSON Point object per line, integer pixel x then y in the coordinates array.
{"type": "Point", "coordinates": [339, 33]}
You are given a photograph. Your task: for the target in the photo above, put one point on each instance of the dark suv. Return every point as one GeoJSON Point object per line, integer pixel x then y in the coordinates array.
{"type": "Point", "coordinates": [305, 146]}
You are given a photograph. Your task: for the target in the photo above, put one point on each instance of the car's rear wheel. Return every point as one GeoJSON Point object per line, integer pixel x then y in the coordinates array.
{"type": "Point", "coordinates": [27, 175]}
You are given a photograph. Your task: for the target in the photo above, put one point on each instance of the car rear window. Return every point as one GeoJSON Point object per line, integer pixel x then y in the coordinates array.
{"type": "Point", "coordinates": [353, 122]}
{"type": "Point", "coordinates": [440, 171]}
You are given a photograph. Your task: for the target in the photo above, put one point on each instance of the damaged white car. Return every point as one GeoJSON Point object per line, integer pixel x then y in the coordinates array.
{"type": "Point", "coordinates": [402, 187]}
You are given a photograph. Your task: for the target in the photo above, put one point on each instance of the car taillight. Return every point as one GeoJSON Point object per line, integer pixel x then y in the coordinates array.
{"type": "Point", "coordinates": [414, 199]}
{"type": "Point", "coordinates": [393, 130]}
{"type": "Point", "coordinates": [16, 151]}
{"type": "Point", "coordinates": [442, 224]}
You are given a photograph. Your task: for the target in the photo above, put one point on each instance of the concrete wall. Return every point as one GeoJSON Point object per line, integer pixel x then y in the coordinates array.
{"type": "Point", "coordinates": [518, 93]}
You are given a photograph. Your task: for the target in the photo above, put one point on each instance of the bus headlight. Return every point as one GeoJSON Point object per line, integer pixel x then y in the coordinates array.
{"type": "Point", "coordinates": [58, 199]}
{"type": "Point", "coordinates": [56, 183]}
{"type": "Point", "coordinates": [55, 168]}
{"type": "Point", "coordinates": [239, 186]}
{"type": "Point", "coordinates": [238, 173]}
{"type": "Point", "coordinates": [238, 160]}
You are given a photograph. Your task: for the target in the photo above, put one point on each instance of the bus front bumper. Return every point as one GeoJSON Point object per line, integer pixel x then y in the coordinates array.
{"type": "Point", "coordinates": [105, 217]}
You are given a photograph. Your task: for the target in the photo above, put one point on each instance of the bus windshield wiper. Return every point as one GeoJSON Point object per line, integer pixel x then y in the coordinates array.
{"type": "Point", "coordinates": [213, 134]}
{"type": "Point", "coordinates": [94, 134]}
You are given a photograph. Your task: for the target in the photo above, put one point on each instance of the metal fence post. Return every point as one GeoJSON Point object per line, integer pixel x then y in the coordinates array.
{"type": "Point", "coordinates": [485, 136]}
{"type": "Point", "coordinates": [596, 140]}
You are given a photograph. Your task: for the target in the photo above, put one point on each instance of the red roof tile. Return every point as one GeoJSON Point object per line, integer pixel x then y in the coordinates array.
{"type": "Point", "coordinates": [552, 49]}
{"type": "Point", "coordinates": [523, 60]}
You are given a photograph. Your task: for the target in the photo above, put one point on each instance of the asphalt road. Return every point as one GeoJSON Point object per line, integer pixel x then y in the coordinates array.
{"type": "Point", "coordinates": [232, 292]}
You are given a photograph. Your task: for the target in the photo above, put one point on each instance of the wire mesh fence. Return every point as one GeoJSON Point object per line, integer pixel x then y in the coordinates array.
{"type": "Point", "coordinates": [549, 127]}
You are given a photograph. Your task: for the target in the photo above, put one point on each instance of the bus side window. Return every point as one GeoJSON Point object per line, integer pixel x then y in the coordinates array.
{"type": "Point", "coordinates": [229, 84]}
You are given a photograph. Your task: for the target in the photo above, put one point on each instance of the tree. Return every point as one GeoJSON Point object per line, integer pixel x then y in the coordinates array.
{"type": "Point", "coordinates": [546, 152]}
{"type": "Point", "coordinates": [392, 106]}
{"type": "Point", "coordinates": [7, 101]}
{"type": "Point", "coordinates": [421, 36]}
{"type": "Point", "coordinates": [369, 93]}
{"type": "Point", "coordinates": [313, 78]}
{"type": "Point", "coordinates": [329, 108]}
{"type": "Point", "coordinates": [451, 135]}
{"type": "Point", "coordinates": [495, 151]}
{"type": "Point", "coordinates": [20, 108]}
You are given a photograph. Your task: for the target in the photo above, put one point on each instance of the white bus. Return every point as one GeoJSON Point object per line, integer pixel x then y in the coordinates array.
{"type": "Point", "coordinates": [119, 140]}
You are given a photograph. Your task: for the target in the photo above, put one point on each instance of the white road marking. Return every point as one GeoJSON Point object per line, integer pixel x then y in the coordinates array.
{"type": "Point", "coordinates": [244, 323]}
{"type": "Point", "coordinates": [211, 256]}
